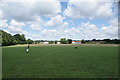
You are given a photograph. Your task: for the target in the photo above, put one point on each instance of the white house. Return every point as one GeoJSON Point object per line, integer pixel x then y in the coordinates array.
{"type": "Point", "coordinates": [46, 42]}
{"type": "Point", "coordinates": [76, 42]}
{"type": "Point", "coordinates": [73, 42]}
{"type": "Point", "coordinates": [58, 42]}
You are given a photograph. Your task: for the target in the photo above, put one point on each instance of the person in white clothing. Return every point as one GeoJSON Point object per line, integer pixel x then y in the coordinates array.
{"type": "Point", "coordinates": [27, 50]}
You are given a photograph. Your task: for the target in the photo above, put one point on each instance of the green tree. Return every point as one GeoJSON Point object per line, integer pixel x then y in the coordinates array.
{"type": "Point", "coordinates": [20, 38]}
{"type": "Point", "coordinates": [82, 41]}
{"type": "Point", "coordinates": [63, 40]}
{"type": "Point", "coordinates": [29, 41]}
{"type": "Point", "coordinates": [7, 38]}
{"type": "Point", "coordinates": [69, 41]}
{"type": "Point", "coordinates": [51, 42]}
{"type": "Point", "coordinates": [15, 42]}
{"type": "Point", "coordinates": [55, 42]}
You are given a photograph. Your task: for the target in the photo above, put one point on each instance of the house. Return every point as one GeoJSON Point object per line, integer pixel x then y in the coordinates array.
{"type": "Point", "coordinates": [76, 42]}
{"type": "Point", "coordinates": [46, 42]}
{"type": "Point", "coordinates": [41, 42]}
{"type": "Point", "coordinates": [73, 42]}
{"type": "Point", "coordinates": [58, 42]}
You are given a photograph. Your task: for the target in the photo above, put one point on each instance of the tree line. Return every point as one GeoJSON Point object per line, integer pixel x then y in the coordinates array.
{"type": "Point", "coordinates": [65, 41]}
{"type": "Point", "coordinates": [8, 39]}
{"type": "Point", "coordinates": [104, 41]}
{"type": "Point", "coordinates": [62, 41]}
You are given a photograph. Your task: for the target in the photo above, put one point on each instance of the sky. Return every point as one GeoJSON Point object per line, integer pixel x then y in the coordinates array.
{"type": "Point", "coordinates": [54, 19]}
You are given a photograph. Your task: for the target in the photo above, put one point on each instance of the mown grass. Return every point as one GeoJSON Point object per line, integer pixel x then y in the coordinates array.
{"type": "Point", "coordinates": [60, 62]}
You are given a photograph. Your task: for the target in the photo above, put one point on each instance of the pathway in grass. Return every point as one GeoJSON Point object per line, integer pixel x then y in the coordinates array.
{"type": "Point", "coordinates": [60, 61]}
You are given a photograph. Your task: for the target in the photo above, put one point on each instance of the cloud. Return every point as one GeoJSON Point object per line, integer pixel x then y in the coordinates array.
{"type": "Point", "coordinates": [83, 31]}
{"type": "Point", "coordinates": [1, 14]}
{"type": "Point", "coordinates": [71, 31]}
{"type": "Point", "coordinates": [15, 23]}
{"type": "Point", "coordinates": [65, 24]}
{"type": "Point", "coordinates": [88, 26]}
{"type": "Point", "coordinates": [55, 21]}
{"type": "Point", "coordinates": [110, 31]}
{"type": "Point", "coordinates": [3, 23]}
{"type": "Point", "coordinates": [91, 31]}
{"type": "Point", "coordinates": [88, 31]}
{"type": "Point", "coordinates": [13, 27]}
{"type": "Point", "coordinates": [19, 17]}
{"type": "Point", "coordinates": [114, 21]}
{"type": "Point", "coordinates": [35, 27]}
{"type": "Point", "coordinates": [50, 32]}
{"type": "Point", "coordinates": [27, 11]}
{"type": "Point", "coordinates": [14, 30]}
{"type": "Point", "coordinates": [90, 10]}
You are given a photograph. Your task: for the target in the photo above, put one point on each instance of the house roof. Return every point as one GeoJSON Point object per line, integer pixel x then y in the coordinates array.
{"type": "Point", "coordinates": [76, 41]}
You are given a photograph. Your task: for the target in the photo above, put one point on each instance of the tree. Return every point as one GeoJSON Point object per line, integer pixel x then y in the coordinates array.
{"type": "Point", "coordinates": [20, 38]}
{"type": "Point", "coordinates": [94, 40]}
{"type": "Point", "coordinates": [7, 38]}
{"type": "Point", "coordinates": [29, 41]}
{"type": "Point", "coordinates": [51, 42]}
{"type": "Point", "coordinates": [107, 41]}
{"type": "Point", "coordinates": [55, 42]}
{"type": "Point", "coordinates": [82, 41]}
{"type": "Point", "coordinates": [15, 42]}
{"type": "Point", "coordinates": [63, 40]}
{"type": "Point", "coordinates": [69, 41]}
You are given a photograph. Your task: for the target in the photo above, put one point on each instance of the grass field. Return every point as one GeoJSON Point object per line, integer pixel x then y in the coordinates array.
{"type": "Point", "coordinates": [60, 62]}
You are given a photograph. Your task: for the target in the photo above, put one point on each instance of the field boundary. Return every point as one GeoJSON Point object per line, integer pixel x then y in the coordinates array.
{"type": "Point", "coordinates": [24, 45]}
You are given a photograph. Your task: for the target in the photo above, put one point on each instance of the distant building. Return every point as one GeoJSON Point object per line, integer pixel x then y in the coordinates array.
{"type": "Point", "coordinates": [46, 42]}
{"type": "Point", "coordinates": [41, 42]}
{"type": "Point", "coordinates": [76, 42]}
{"type": "Point", "coordinates": [58, 42]}
{"type": "Point", "coordinates": [73, 42]}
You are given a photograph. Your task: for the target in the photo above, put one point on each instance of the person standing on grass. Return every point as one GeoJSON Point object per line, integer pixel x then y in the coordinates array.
{"type": "Point", "coordinates": [27, 50]}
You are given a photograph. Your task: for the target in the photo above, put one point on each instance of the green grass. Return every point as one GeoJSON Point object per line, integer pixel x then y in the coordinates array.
{"type": "Point", "coordinates": [60, 62]}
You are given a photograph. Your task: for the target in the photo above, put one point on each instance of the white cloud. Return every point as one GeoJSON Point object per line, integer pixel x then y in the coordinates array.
{"type": "Point", "coordinates": [110, 31]}
{"type": "Point", "coordinates": [93, 0]}
{"type": "Point", "coordinates": [27, 11]}
{"type": "Point", "coordinates": [30, 35]}
{"type": "Point", "coordinates": [83, 31]}
{"type": "Point", "coordinates": [1, 14]}
{"type": "Point", "coordinates": [3, 23]}
{"type": "Point", "coordinates": [55, 21]}
{"type": "Point", "coordinates": [114, 21]}
{"type": "Point", "coordinates": [35, 27]}
{"type": "Point", "coordinates": [88, 26]}
{"type": "Point", "coordinates": [15, 23]}
{"type": "Point", "coordinates": [65, 24]}
{"type": "Point", "coordinates": [88, 31]}
{"type": "Point", "coordinates": [90, 10]}
{"type": "Point", "coordinates": [91, 31]}
{"type": "Point", "coordinates": [14, 29]}
{"type": "Point", "coordinates": [71, 32]}
{"type": "Point", "coordinates": [36, 14]}
{"type": "Point", "coordinates": [50, 32]}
